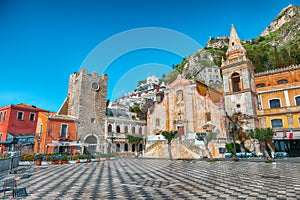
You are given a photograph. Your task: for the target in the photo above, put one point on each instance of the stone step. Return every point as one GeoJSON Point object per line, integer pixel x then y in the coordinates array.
{"type": "Point", "coordinates": [178, 152]}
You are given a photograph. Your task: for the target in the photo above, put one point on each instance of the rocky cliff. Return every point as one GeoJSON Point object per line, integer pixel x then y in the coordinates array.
{"type": "Point", "coordinates": [278, 46]}
{"type": "Point", "coordinates": [290, 15]}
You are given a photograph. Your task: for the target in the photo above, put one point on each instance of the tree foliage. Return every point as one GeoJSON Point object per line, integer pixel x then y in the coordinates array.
{"type": "Point", "coordinates": [262, 134]}
{"type": "Point", "coordinates": [134, 138]}
{"type": "Point", "coordinates": [170, 135]}
{"type": "Point", "coordinates": [207, 138]}
{"type": "Point", "coordinates": [265, 52]}
{"type": "Point", "coordinates": [136, 109]}
{"type": "Point", "coordinates": [230, 148]}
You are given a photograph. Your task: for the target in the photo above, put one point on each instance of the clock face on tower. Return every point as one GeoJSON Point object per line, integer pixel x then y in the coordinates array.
{"type": "Point", "coordinates": [95, 86]}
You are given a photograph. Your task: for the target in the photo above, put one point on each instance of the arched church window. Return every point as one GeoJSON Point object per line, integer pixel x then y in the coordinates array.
{"type": "Point", "coordinates": [109, 128]}
{"type": "Point", "coordinates": [126, 129]}
{"type": "Point", "coordinates": [133, 130]}
{"type": "Point", "coordinates": [157, 122]}
{"type": "Point", "coordinates": [179, 96]}
{"type": "Point", "coordinates": [118, 129]}
{"type": "Point", "coordinates": [236, 82]}
{"type": "Point", "coordinates": [208, 116]}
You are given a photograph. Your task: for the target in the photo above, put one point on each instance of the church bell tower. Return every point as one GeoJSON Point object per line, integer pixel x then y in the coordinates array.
{"type": "Point", "coordinates": [238, 80]}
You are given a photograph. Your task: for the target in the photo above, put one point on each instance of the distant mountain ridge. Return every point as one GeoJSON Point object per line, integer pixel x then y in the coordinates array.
{"type": "Point", "coordinates": [285, 28]}
{"type": "Point", "coordinates": [278, 46]}
{"type": "Point", "coordinates": [289, 14]}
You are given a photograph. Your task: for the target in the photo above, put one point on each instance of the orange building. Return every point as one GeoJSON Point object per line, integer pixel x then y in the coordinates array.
{"type": "Point", "coordinates": [279, 106]}
{"type": "Point", "coordinates": [17, 127]}
{"type": "Point", "coordinates": [55, 133]}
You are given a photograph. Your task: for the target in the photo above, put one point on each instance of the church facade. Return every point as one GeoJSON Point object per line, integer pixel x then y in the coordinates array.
{"type": "Point", "coordinates": [189, 107]}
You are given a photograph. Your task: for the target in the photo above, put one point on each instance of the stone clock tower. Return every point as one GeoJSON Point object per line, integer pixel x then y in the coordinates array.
{"type": "Point", "coordinates": [238, 80]}
{"type": "Point", "coordinates": [87, 102]}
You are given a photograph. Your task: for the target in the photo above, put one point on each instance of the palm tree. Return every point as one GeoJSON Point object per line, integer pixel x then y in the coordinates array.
{"type": "Point", "coordinates": [207, 138]}
{"type": "Point", "coordinates": [170, 135]}
{"type": "Point", "coordinates": [263, 135]}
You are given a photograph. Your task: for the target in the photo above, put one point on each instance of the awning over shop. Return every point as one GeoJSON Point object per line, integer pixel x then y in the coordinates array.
{"type": "Point", "coordinates": [19, 139]}
{"type": "Point", "coordinates": [292, 134]}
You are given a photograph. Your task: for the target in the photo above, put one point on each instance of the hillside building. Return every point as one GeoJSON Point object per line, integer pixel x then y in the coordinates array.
{"type": "Point", "coordinates": [148, 90]}
{"type": "Point", "coordinates": [200, 67]}
{"type": "Point", "coordinates": [119, 123]}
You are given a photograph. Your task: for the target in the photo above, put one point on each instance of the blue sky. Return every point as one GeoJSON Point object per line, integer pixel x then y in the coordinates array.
{"type": "Point", "coordinates": [43, 42]}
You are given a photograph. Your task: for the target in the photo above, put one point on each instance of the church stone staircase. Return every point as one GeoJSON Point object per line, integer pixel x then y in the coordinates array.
{"type": "Point", "coordinates": [179, 151]}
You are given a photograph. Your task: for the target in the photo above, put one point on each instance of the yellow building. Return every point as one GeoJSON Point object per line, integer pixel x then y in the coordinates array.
{"type": "Point", "coordinates": [279, 106]}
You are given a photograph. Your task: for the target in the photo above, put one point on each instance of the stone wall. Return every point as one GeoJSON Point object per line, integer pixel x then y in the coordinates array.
{"type": "Point", "coordinates": [87, 102]}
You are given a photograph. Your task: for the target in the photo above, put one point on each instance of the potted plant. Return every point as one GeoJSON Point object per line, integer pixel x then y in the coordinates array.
{"type": "Point", "coordinates": [64, 160]}
{"type": "Point", "coordinates": [88, 158]}
{"type": "Point", "coordinates": [93, 158]}
{"type": "Point", "coordinates": [112, 156]}
{"type": "Point", "coordinates": [102, 157]}
{"type": "Point", "coordinates": [46, 159]}
{"type": "Point", "coordinates": [97, 157]}
{"type": "Point", "coordinates": [4, 156]}
{"type": "Point", "coordinates": [38, 160]}
{"type": "Point", "coordinates": [83, 158]}
{"type": "Point", "coordinates": [107, 157]}
{"type": "Point", "coordinates": [73, 159]}
{"type": "Point", "coordinates": [27, 157]}
{"type": "Point", "coordinates": [54, 160]}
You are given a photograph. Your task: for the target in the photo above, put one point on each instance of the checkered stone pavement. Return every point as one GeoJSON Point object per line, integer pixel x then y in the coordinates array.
{"type": "Point", "coordinates": [128, 178]}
